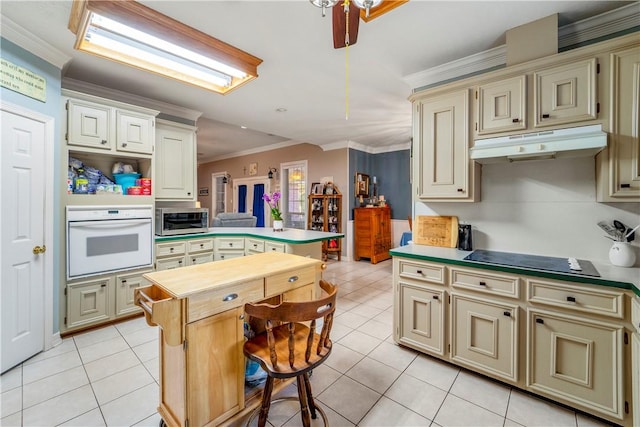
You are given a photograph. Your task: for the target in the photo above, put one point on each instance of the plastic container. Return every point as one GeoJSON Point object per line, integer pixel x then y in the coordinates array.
{"type": "Point", "coordinates": [134, 190]}
{"type": "Point", "coordinates": [143, 182]}
{"type": "Point", "coordinates": [126, 180]}
{"type": "Point", "coordinates": [81, 183]}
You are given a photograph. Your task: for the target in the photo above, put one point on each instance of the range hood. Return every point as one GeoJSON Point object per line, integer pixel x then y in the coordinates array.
{"type": "Point", "coordinates": [549, 144]}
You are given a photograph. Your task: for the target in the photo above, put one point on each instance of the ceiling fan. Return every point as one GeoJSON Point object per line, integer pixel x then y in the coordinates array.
{"type": "Point", "coordinates": [351, 11]}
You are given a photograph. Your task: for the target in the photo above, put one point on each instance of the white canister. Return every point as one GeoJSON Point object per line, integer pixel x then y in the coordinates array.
{"type": "Point", "coordinates": [622, 254]}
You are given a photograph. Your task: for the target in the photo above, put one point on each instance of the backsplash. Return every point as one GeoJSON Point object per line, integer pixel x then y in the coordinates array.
{"type": "Point", "coordinates": [544, 207]}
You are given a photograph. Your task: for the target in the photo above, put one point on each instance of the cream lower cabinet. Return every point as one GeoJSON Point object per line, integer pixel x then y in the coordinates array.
{"type": "Point", "coordinates": [228, 248]}
{"type": "Point", "coordinates": [578, 360]}
{"type": "Point", "coordinates": [484, 335]}
{"type": "Point", "coordinates": [562, 340]}
{"type": "Point", "coordinates": [421, 322]}
{"type": "Point", "coordinates": [180, 253]}
{"type": "Point", "coordinates": [102, 298]}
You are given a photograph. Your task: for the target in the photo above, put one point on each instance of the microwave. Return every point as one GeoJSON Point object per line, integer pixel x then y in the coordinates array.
{"type": "Point", "coordinates": [173, 221]}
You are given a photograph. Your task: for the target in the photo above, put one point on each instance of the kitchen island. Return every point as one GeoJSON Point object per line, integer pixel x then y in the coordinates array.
{"type": "Point", "coordinates": [200, 312]}
{"type": "Point", "coordinates": [221, 243]}
{"type": "Point", "coordinates": [562, 336]}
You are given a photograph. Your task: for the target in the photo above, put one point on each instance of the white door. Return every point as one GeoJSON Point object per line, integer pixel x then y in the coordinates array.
{"type": "Point", "coordinates": [22, 233]}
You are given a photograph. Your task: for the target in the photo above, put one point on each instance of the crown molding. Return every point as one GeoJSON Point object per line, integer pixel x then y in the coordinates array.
{"type": "Point", "coordinates": [40, 48]}
{"type": "Point", "coordinates": [477, 62]}
{"type": "Point", "coordinates": [116, 95]}
{"type": "Point", "coordinates": [378, 150]}
{"type": "Point", "coordinates": [251, 151]}
{"type": "Point", "coordinates": [603, 25]}
{"type": "Point", "coordinates": [614, 21]}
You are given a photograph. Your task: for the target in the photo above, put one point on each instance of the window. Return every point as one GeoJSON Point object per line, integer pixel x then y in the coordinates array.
{"type": "Point", "coordinates": [293, 182]}
{"type": "Point", "coordinates": [219, 196]}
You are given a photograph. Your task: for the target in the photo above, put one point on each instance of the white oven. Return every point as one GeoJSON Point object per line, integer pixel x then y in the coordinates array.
{"type": "Point", "coordinates": [102, 239]}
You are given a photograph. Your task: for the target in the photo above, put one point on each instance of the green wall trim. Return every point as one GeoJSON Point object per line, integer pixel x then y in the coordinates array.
{"type": "Point", "coordinates": [299, 241]}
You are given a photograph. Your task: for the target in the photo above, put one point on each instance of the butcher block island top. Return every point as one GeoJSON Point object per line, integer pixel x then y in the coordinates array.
{"type": "Point", "coordinates": [200, 313]}
{"type": "Point", "coordinates": [185, 281]}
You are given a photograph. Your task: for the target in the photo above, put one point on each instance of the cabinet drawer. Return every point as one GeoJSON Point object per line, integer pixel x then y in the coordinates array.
{"type": "Point", "coordinates": [635, 312]}
{"type": "Point", "coordinates": [170, 248]}
{"type": "Point", "coordinates": [481, 281]}
{"type": "Point", "coordinates": [576, 298]}
{"type": "Point", "coordinates": [229, 243]}
{"type": "Point", "coordinates": [199, 245]}
{"type": "Point", "coordinates": [220, 256]}
{"type": "Point", "coordinates": [161, 309]}
{"type": "Point", "coordinates": [254, 245]}
{"type": "Point", "coordinates": [170, 263]}
{"type": "Point", "coordinates": [432, 273]}
{"type": "Point", "coordinates": [199, 258]}
{"type": "Point", "coordinates": [274, 247]}
{"type": "Point", "coordinates": [204, 304]}
{"type": "Point", "coordinates": [280, 283]}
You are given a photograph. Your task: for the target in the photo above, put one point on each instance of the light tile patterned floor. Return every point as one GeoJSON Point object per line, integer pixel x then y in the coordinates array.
{"type": "Point", "coordinates": [109, 376]}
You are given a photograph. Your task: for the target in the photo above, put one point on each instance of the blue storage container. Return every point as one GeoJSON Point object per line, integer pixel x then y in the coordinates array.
{"type": "Point", "coordinates": [126, 180]}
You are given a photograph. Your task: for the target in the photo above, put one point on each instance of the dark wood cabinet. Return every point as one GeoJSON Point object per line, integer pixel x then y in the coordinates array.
{"type": "Point", "coordinates": [372, 233]}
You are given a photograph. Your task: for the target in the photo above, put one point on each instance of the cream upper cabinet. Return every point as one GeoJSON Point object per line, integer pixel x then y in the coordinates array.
{"type": "Point", "coordinates": [619, 166]}
{"type": "Point", "coordinates": [502, 106]}
{"type": "Point", "coordinates": [175, 161]}
{"type": "Point", "coordinates": [441, 148]}
{"type": "Point", "coordinates": [135, 132]}
{"type": "Point", "coordinates": [105, 127]}
{"type": "Point", "coordinates": [565, 94]}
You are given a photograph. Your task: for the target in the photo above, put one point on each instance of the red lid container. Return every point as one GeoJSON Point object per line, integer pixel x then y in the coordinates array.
{"type": "Point", "coordinates": [135, 190]}
{"type": "Point", "coordinates": [143, 182]}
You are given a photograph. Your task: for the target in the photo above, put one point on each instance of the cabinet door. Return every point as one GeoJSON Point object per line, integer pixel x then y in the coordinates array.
{"type": "Point", "coordinates": [565, 94]}
{"type": "Point", "coordinates": [635, 377]}
{"type": "Point", "coordinates": [502, 106]}
{"type": "Point", "coordinates": [303, 293]}
{"type": "Point", "coordinates": [88, 302]}
{"type": "Point", "coordinates": [135, 132]}
{"type": "Point", "coordinates": [125, 285]}
{"type": "Point", "coordinates": [421, 322]}
{"type": "Point", "coordinates": [577, 360]}
{"type": "Point", "coordinates": [215, 368]}
{"type": "Point", "coordinates": [443, 152]}
{"type": "Point", "coordinates": [624, 148]}
{"type": "Point", "coordinates": [484, 335]}
{"type": "Point", "coordinates": [89, 125]}
{"type": "Point", "coordinates": [175, 163]}
{"type": "Point", "coordinates": [363, 233]}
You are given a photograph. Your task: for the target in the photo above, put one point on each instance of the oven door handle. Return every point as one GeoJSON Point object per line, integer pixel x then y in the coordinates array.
{"type": "Point", "coordinates": [113, 223]}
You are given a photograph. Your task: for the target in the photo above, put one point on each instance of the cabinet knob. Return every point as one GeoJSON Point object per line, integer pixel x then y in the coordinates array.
{"type": "Point", "coordinates": [507, 313]}
{"type": "Point", "coordinates": [436, 297]}
{"type": "Point", "coordinates": [124, 281]}
{"type": "Point", "coordinates": [571, 299]}
{"type": "Point", "coordinates": [545, 116]}
{"type": "Point", "coordinates": [515, 120]}
{"type": "Point", "coordinates": [104, 141]}
{"type": "Point", "coordinates": [124, 144]}
{"type": "Point", "coordinates": [104, 285]}
{"type": "Point", "coordinates": [180, 262]}
{"type": "Point", "coordinates": [538, 320]}
{"type": "Point", "coordinates": [419, 271]}
{"type": "Point", "coordinates": [460, 190]}
{"type": "Point", "coordinates": [202, 245]}
{"type": "Point", "coordinates": [293, 279]}
{"type": "Point", "coordinates": [230, 297]}
{"type": "Point", "coordinates": [189, 193]}
{"type": "Point", "coordinates": [241, 317]}
{"type": "Point", "coordinates": [625, 185]}
{"type": "Point", "coordinates": [170, 249]}
{"type": "Point", "coordinates": [483, 283]}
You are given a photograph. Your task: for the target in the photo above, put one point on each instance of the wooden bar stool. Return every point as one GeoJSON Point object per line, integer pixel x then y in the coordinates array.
{"type": "Point", "coordinates": [291, 348]}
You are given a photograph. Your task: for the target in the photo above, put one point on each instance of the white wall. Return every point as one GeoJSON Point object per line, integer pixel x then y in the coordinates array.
{"type": "Point", "coordinates": [544, 207]}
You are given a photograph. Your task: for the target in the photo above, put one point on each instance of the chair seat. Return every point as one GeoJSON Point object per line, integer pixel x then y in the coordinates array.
{"type": "Point", "coordinates": [257, 349]}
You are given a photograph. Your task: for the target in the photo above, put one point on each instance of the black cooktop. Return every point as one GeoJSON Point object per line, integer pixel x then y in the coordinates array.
{"type": "Point", "coordinates": [536, 262]}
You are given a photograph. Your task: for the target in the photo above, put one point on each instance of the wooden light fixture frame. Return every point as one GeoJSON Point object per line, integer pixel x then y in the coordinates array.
{"type": "Point", "coordinates": [143, 18]}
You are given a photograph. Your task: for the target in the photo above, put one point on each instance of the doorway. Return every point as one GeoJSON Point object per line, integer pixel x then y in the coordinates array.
{"type": "Point", "coordinates": [26, 234]}
{"type": "Point", "coordinates": [245, 199]}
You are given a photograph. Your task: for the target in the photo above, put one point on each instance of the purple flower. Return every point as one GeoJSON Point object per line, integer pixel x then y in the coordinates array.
{"type": "Point", "coordinates": [272, 200]}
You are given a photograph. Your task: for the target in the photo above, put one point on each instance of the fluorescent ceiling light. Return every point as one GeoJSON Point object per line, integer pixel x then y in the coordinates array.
{"type": "Point", "coordinates": [159, 44]}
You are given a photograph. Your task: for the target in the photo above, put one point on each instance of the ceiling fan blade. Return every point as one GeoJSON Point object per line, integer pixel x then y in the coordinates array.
{"type": "Point", "coordinates": [340, 25]}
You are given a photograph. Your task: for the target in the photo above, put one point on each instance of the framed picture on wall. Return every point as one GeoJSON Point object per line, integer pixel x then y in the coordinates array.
{"type": "Point", "coordinates": [362, 185]}
{"type": "Point", "coordinates": [317, 188]}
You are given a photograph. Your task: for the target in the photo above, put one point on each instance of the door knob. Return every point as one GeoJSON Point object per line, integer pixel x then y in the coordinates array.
{"type": "Point", "coordinates": [39, 249]}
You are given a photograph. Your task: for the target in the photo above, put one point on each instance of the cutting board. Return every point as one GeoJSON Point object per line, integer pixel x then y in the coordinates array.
{"type": "Point", "coordinates": [436, 231]}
